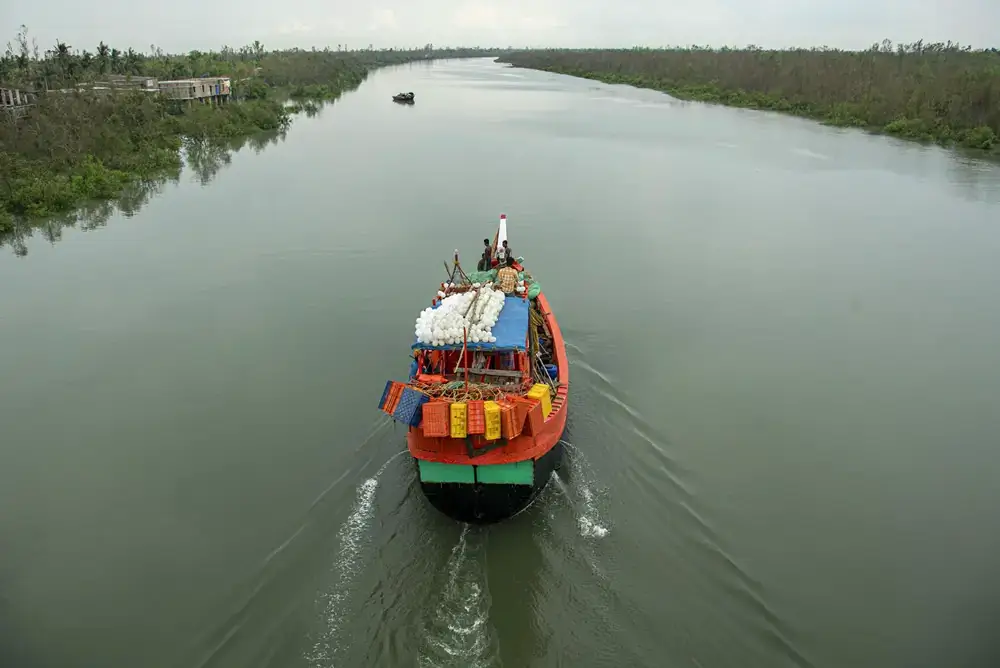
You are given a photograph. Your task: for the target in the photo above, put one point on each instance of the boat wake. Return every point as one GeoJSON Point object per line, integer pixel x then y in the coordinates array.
{"type": "Point", "coordinates": [581, 495]}
{"type": "Point", "coordinates": [354, 535]}
{"type": "Point", "coordinates": [457, 633]}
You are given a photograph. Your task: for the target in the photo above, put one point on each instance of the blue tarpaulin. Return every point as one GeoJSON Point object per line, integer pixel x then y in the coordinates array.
{"type": "Point", "coordinates": [511, 330]}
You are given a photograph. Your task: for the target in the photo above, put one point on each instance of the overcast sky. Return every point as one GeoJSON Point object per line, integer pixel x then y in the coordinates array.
{"type": "Point", "coordinates": [182, 25]}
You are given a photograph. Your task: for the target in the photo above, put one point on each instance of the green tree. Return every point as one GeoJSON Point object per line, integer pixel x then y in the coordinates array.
{"type": "Point", "coordinates": [930, 91]}
{"type": "Point", "coordinates": [103, 58]}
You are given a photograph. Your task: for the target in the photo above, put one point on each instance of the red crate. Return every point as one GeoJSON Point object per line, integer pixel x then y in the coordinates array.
{"type": "Point", "coordinates": [436, 418]}
{"type": "Point", "coordinates": [477, 418]}
{"type": "Point", "coordinates": [530, 415]}
{"type": "Point", "coordinates": [510, 425]}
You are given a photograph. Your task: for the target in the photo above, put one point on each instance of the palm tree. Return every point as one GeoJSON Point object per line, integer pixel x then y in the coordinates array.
{"type": "Point", "coordinates": [48, 73]}
{"type": "Point", "coordinates": [22, 61]}
{"type": "Point", "coordinates": [132, 60]}
{"type": "Point", "coordinates": [64, 59]}
{"type": "Point", "coordinates": [102, 58]}
{"type": "Point", "coordinates": [86, 60]}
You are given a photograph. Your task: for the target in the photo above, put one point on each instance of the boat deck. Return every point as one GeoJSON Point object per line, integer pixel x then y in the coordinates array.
{"type": "Point", "coordinates": [527, 445]}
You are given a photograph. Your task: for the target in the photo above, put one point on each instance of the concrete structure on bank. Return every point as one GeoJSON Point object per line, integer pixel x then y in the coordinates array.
{"type": "Point", "coordinates": [204, 89]}
{"type": "Point", "coordinates": [207, 90]}
{"type": "Point", "coordinates": [16, 102]}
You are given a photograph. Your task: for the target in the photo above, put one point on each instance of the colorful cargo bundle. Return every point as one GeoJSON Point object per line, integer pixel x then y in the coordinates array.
{"type": "Point", "coordinates": [510, 417]}
{"type": "Point", "coordinates": [443, 416]}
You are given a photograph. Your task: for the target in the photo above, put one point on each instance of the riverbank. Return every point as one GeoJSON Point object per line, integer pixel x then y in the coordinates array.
{"type": "Point", "coordinates": [927, 92]}
{"type": "Point", "coordinates": [202, 162]}
{"type": "Point", "coordinates": [81, 145]}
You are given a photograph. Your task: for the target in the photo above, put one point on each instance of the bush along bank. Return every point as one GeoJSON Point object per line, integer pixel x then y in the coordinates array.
{"type": "Point", "coordinates": [83, 146]}
{"type": "Point", "coordinates": [932, 92]}
{"type": "Point", "coordinates": [203, 159]}
{"type": "Point", "coordinates": [78, 143]}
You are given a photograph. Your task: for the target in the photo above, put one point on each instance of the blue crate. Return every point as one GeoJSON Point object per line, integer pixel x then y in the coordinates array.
{"type": "Point", "coordinates": [409, 410]}
{"type": "Point", "coordinates": [385, 394]}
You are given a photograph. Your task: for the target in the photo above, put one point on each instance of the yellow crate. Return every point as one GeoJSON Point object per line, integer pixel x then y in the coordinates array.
{"type": "Point", "coordinates": [459, 420]}
{"type": "Point", "coordinates": [492, 411]}
{"type": "Point", "coordinates": [540, 392]}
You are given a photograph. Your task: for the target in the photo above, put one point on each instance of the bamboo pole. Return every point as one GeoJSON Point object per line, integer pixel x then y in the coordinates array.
{"type": "Point", "coordinates": [465, 355]}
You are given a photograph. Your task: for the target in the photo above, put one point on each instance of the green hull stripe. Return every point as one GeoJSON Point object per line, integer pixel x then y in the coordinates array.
{"type": "Point", "coordinates": [438, 472]}
{"type": "Point", "coordinates": [517, 473]}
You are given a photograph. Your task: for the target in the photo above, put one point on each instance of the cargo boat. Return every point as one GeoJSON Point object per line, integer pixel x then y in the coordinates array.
{"type": "Point", "coordinates": [485, 412]}
{"type": "Point", "coordinates": [403, 97]}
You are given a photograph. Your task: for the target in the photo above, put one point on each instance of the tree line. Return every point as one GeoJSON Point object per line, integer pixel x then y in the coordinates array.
{"type": "Point", "coordinates": [25, 65]}
{"type": "Point", "coordinates": [77, 143]}
{"type": "Point", "coordinates": [944, 91]}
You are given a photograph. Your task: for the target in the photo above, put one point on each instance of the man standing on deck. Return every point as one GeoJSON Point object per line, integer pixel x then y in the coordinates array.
{"type": "Point", "coordinates": [486, 260]}
{"type": "Point", "coordinates": [505, 254]}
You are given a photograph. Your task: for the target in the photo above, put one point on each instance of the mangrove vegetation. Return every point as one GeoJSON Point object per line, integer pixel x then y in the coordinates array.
{"type": "Point", "coordinates": [93, 129]}
{"type": "Point", "coordinates": [940, 92]}
{"type": "Point", "coordinates": [203, 160]}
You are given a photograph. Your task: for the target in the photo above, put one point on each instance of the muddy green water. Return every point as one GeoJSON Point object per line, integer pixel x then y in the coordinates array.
{"type": "Point", "coordinates": [785, 398]}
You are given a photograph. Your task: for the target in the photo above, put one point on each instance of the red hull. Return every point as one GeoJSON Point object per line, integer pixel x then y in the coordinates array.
{"type": "Point", "coordinates": [521, 448]}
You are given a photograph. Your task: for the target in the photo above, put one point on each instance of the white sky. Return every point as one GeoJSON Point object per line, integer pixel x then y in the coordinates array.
{"type": "Point", "coordinates": [182, 25]}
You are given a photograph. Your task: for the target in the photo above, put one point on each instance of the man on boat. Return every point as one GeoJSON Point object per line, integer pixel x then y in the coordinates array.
{"type": "Point", "coordinates": [505, 254]}
{"type": "Point", "coordinates": [507, 276]}
{"type": "Point", "coordinates": [486, 260]}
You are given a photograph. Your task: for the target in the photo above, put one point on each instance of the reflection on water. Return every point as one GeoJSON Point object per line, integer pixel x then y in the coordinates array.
{"type": "Point", "coordinates": [975, 178]}
{"type": "Point", "coordinates": [202, 159]}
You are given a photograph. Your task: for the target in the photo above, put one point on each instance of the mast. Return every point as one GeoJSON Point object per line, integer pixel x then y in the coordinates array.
{"type": "Point", "coordinates": [501, 235]}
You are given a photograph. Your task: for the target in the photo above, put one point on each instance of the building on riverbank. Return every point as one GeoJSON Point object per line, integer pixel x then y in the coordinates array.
{"type": "Point", "coordinates": [131, 81]}
{"type": "Point", "coordinates": [16, 103]}
{"type": "Point", "coordinates": [208, 90]}
{"type": "Point", "coordinates": [205, 89]}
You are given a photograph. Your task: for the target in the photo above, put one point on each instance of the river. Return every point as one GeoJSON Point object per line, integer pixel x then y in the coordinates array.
{"type": "Point", "coordinates": [785, 352]}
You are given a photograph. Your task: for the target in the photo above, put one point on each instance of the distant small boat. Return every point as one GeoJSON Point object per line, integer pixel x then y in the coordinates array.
{"type": "Point", "coordinates": [403, 97]}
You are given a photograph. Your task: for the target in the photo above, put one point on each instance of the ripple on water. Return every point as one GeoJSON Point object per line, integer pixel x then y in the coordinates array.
{"type": "Point", "coordinates": [656, 474]}
{"type": "Point", "coordinates": [457, 632]}
{"type": "Point", "coordinates": [354, 536]}
{"type": "Point", "coordinates": [583, 500]}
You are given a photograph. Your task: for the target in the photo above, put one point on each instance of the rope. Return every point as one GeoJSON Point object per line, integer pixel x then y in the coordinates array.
{"type": "Point", "coordinates": [537, 322]}
{"type": "Point", "coordinates": [455, 391]}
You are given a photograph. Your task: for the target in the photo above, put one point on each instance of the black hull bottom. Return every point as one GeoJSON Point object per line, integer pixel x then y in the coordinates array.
{"type": "Point", "coordinates": [480, 503]}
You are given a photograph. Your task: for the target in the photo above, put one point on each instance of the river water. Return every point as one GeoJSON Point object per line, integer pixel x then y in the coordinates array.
{"type": "Point", "coordinates": [785, 353]}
